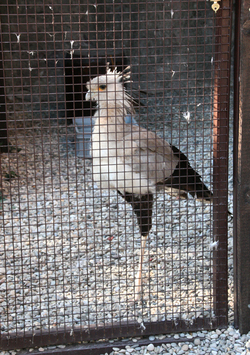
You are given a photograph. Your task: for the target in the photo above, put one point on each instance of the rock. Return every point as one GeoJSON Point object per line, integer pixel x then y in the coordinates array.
{"type": "Point", "coordinates": [213, 346]}
{"type": "Point", "coordinates": [185, 347]}
{"type": "Point", "coordinates": [150, 347]}
{"type": "Point", "coordinates": [197, 341]}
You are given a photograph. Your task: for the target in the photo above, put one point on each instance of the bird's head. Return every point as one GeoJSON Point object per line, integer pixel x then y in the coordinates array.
{"type": "Point", "coordinates": [108, 89]}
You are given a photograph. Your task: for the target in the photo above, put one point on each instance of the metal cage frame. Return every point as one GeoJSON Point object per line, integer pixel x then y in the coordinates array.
{"type": "Point", "coordinates": [76, 334]}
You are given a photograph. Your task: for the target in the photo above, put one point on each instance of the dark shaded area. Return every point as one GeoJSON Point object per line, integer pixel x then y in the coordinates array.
{"type": "Point", "coordinates": [3, 123]}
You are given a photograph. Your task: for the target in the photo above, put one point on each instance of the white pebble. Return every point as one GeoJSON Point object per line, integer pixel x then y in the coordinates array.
{"type": "Point", "coordinates": [2, 270]}
{"type": "Point", "coordinates": [185, 347]}
{"type": "Point", "coordinates": [197, 341]}
{"type": "Point", "coordinates": [240, 349]}
{"type": "Point", "coordinates": [150, 347]}
{"type": "Point", "coordinates": [151, 338]}
{"type": "Point", "coordinates": [213, 346]}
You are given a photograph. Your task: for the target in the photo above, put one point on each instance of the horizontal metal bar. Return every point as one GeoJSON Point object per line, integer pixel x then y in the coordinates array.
{"type": "Point", "coordinates": [92, 333]}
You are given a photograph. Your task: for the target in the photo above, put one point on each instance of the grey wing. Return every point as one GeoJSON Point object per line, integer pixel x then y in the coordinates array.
{"type": "Point", "coordinates": [149, 155]}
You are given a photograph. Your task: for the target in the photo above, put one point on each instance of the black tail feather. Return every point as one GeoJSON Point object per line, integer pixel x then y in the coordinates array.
{"type": "Point", "coordinates": [185, 178]}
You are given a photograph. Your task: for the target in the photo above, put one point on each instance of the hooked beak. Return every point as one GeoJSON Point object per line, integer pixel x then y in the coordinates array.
{"type": "Point", "coordinates": [88, 96]}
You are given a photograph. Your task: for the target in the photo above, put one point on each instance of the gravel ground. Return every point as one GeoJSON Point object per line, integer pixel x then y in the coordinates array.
{"type": "Point", "coordinates": [59, 231]}
{"type": "Point", "coordinates": [227, 341]}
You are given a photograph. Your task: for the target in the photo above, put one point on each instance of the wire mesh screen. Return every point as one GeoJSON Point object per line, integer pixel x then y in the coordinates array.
{"type": "Point", "coordinates": [132, 246]}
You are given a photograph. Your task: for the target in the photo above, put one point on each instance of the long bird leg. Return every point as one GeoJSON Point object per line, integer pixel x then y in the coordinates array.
{"type": "Point", "coordinates": [138, 279]}
{"type": "Point", "coordinates": [142, 206]}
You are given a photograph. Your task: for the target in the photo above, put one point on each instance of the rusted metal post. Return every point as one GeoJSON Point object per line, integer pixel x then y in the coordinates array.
{"type": "Point", "coordinates": [220, 160]}
{"type": "Point", "coordinates": [242, 170]}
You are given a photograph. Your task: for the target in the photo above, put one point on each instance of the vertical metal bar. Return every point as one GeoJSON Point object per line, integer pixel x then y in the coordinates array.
{"type": "Point", "coordinates": [242, 167]}
{"type": "Point", "coordinates": [220, 159]}
{"type": "Point", "coordinates": [235, 152]}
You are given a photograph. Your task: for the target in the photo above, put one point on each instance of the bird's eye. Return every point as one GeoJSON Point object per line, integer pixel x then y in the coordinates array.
{"type": "Point", "coordinates": [102, 87]}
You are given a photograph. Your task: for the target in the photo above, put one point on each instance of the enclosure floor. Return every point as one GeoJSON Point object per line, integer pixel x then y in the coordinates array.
{"type": "Point", "coordinates": [70, 252]}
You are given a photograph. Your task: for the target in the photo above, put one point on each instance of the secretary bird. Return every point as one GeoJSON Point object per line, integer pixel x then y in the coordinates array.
{"type": "Point", "coordinates": [135, 161]}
